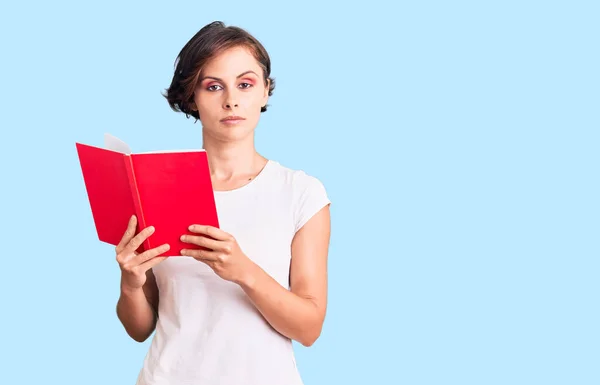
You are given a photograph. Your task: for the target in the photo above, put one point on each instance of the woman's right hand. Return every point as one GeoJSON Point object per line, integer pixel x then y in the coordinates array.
{"type": "Point", "coordinates": [133, 265]}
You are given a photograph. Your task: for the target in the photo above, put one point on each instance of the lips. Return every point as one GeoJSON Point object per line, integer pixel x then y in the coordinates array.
{"type": "Point", "coordinates": [232, 119]}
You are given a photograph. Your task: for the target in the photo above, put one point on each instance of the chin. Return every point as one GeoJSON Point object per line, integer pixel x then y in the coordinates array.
{"type": "Point", "coordinates": [228, 133]}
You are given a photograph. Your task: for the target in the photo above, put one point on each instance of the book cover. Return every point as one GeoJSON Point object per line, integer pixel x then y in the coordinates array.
{"type": "Point", "coordinates": [169, 190]}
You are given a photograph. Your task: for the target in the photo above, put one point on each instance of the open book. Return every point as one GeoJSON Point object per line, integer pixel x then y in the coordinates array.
{"type": "Point", "coordinates": [169, 190]}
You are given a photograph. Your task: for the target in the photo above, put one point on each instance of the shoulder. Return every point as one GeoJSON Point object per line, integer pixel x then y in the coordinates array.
{"type": "Point", "coordinates": [297, 180]}
{"type": "Point", "coordinates": [307, 193]}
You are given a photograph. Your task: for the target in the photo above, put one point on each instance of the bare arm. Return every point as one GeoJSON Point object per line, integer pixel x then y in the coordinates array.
{"type": "Point", "coordinates": [298, 313]}
{"type": "Point", "coordinates": [137, 306]}
{"type": "Point", "coordinates": [137, 309]}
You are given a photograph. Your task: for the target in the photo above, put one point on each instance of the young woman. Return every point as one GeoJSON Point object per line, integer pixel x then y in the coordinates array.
{"type": "Point", "coordinates": [227, 314]}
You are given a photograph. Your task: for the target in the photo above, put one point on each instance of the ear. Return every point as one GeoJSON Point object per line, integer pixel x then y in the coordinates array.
{"type": "Point", "coordinates": [266, 93]}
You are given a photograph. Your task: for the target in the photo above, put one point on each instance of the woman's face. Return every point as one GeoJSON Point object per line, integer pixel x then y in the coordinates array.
{"type": "Point", "coordinates": [231, 84]}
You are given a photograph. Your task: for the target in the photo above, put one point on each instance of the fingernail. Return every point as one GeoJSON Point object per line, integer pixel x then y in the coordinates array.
{"type": "Point", "coordinates": [152, 228]}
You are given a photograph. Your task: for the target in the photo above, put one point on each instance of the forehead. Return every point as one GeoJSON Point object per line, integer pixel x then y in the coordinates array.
{"type": "Point", "coordinates": [231, 62]}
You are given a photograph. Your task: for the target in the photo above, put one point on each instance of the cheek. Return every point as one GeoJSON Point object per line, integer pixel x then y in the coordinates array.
{"type": "Point", "coordinates": [207, 102]}
{"type": "Point", "coordinates": [254, 99]}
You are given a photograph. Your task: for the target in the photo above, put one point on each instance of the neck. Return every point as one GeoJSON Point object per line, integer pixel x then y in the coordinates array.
{"type": "Point", "coordinates": [229, 160]}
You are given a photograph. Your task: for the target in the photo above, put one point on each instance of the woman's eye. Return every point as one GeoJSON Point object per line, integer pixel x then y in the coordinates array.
{"type": "Point", "coordinates": [216, 87]}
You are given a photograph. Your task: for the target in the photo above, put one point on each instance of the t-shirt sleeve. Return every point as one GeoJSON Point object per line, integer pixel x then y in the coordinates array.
{"type": "Point", "coordinates": [311, 197]}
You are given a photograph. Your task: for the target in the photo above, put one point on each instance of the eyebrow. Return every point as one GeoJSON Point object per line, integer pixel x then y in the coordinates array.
{"type": "Point", "coordinates": [219, 79]}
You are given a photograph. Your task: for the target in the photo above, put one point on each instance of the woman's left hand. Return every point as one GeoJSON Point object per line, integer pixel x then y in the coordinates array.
{"type": "Point", "coordinates": [223, 253]}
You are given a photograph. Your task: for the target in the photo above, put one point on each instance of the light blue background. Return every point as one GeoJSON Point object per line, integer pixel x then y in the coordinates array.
{"type": "Point", "coordinates": [458, 141]}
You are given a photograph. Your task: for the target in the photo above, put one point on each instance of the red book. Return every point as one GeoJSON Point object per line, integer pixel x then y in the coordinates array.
{"type": "Point", "coordinates": [169, 190]}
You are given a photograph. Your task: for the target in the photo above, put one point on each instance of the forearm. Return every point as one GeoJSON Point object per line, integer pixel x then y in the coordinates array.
{"type": "Point", "coordinates": [295, 317]}
{"type": "Point", "coordinates": [136, 314]}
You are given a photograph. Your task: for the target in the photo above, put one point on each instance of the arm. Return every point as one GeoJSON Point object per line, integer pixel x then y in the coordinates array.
{"type": "Point", "coordinates": [137, 309]}
{"type": "Point", "coordinates": [300, 312]}
{"type": "Point", "coordinates": [138, 303]}
{"type": "Point", "coordinates": [297, 313]}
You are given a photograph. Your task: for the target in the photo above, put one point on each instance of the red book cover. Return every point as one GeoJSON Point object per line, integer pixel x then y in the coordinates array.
{"type": "Point", "coordinates": [169, 190]}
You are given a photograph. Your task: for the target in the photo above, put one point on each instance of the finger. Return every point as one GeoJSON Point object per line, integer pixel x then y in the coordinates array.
{"type": "Point", "coordinates": [149, 254]}
{"type": "Point", "coordinates": [136, 241]}
{"type": "Point", "coordinates": [213, 232]}
{"type": "Point", "coordinates": [210, 264]}
{"type": "Point", "coordinates": [201, 255]}
{"type": "Point", "coordinates": [129, 233]}
{"type": "Point", "coordinates": [203, 241]}
{"type": "Point", "coordinates": [152, 262]}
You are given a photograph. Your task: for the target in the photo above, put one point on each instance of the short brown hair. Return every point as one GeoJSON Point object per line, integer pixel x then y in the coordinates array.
{"type": "Point", "coordinates": [208, 42]}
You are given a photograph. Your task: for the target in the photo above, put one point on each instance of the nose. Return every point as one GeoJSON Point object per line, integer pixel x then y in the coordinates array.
{"type": "Point", "coordinates": [230, 101]}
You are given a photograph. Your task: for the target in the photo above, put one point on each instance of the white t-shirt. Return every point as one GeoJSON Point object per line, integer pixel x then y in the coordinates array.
{"type": "Point", "coordinates": [208, 331]}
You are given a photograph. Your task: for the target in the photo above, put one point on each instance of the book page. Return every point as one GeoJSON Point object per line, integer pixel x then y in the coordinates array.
{"type": "Point", "coordinates": [115, 144]}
